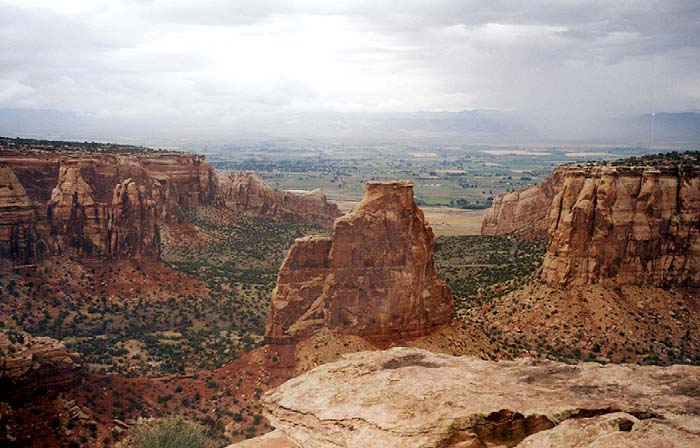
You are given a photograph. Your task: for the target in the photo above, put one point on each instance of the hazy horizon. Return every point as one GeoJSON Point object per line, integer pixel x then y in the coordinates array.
{"type": "Point", "coordinates": [458, 71]}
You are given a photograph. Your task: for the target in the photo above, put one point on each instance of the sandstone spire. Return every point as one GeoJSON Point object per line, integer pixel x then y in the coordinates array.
{"type": "Point", "coordinates": [374, 277]}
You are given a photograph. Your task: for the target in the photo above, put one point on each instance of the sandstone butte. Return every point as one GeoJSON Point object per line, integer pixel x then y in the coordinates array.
{"type": "Point", "coordinates": [374, 277]}
{"type": "Point", "coordinates": [612, 224]}
{"type": "Point", "coordinates": [30, 365]}
{"type": "Point", "coordinates": [406, 397]}
{"type": "Point", "coordinates": [95, 205]}
{"type": "Point", "coordinates": [247, 191]}
{"type": "Point", "coordinates": [625, 225]}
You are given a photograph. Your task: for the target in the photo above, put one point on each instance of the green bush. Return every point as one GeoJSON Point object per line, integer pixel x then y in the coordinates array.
{"type": "Point", "coordinates": [171, 432]}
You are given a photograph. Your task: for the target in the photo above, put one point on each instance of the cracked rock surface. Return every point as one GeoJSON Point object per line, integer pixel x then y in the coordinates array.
{"type": "Point", "coordinates": [409, 397]}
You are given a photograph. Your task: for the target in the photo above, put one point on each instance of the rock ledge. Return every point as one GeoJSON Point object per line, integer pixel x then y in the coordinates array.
{"type": "Point", "coordinates": [410, 397]}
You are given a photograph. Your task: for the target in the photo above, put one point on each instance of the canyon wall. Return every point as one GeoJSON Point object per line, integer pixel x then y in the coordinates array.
{"type": "Point", "coordinates": [30, 365]}
{"type": "Point", "coordinates": [374, 276]}
{"type": "Point", "coordinates": [625, 225]}
{"type": "Point", "coordinates": [519, 209]}
{"type": "Point", "coordinates": [95, 205]}
{"type": "Point", "coordinates": [632, 222]}
{"type": "Point", "coordinates": [18, 220]}
{"type": "Point", "coordinates": [248, 192]}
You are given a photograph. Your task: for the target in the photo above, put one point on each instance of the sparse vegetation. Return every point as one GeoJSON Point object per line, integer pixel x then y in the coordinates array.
{"type": "Point", "coordinates": [479, 268]}
{"type": "Point", "coordinates": [171, 432]}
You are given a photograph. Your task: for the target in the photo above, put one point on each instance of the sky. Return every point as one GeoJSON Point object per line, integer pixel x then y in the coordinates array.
{"type": "Point", "coordinates": [229, 67]}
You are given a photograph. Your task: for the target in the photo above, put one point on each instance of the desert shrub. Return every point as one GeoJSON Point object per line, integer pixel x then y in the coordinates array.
{"type": "Point", "coordinates": [171, 432]}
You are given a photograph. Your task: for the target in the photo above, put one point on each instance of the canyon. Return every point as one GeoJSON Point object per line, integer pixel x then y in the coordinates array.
{"type": "Point", "coordinates": [616, 285]}
{"type": "Point", "coordinates": [374, 277]}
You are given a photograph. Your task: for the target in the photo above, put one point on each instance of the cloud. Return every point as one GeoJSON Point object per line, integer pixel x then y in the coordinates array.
{"type": "Point", "coordinates": [225, 63]}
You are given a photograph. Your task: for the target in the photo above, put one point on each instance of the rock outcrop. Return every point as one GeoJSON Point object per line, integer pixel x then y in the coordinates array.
{"type": "Point", "coordinates": [30, 365]}
{"type": "Point", "coordinates": [515, 210]}
{"type": "Point", "coordinates": [374, 277]}
{"type": "Point", "coordinates": [133, 224]}
{"type": "Point", "coordinates": [74, 214]}
{"type": "Point", "coordinates": [96, 205]}
{"type": "Point", "coordinates": [409, 397]}
{"type": "Point", "coordinates": [625, 225]}
{"type": "Point", "coordinates": [274, 439]}
{"type": "Point", "coordinates": [248, 192]}
{"type": "Point", "coordinates": [18, 229]}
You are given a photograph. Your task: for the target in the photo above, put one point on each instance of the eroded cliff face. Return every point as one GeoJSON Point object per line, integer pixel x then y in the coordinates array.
{"type": "Point", "coordinates": [73, 213]}
{"type": "Point", "coordinates": [133, 224]}
{"type": "Point", "coordinates": [374, 277]}
{"type": "Point", "coordinates": [408, 397]}
{"type": "Point", "coordinates": [622, 225]}
{"type": "Point", "coordinates": [248, 192]}
{"type": "Point", "coordinates": [519, 209]}
{"type": "Point", "coordinates": [31, 365]}
{"type": "Point", "coordinates": [96, 205]}
{"type": "Point", "coordinates": [18, 227]}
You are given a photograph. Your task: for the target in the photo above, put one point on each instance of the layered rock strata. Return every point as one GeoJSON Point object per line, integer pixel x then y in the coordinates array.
{"type": "Point", "coordinates": [248, 192]}
{"type": "Point", "coordinates": [374, 277]}
{"type": "Point", "coordinates": [515, 210]}
{"type": "Point", "coordinates": [18, 222]}
{"type": "Point", "coordinates": [95, 205]}
{"type": "Point", "coordinates": [409, 397]}
{"type": "Point", "coordinates": [30, 365]}
{"type": "Point", "coordinates": [625, 225]}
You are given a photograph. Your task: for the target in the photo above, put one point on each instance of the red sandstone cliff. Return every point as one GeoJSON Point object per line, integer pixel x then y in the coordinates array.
{"type": "Point", "coordinates": [635, 222]}
{"type": "Point", "coordinates": [248, 192]}
{"type": "Point", "coordinates": [518, 209]}
{"type": "Point", "coordinates": [95, 204]}
{"type": "Point", "coordinates": [374, 277]}
{"type": "Point", "coordinates": [625, 225]}
{"type": "Point", "coordinates": [29, 365]}
{"type": "Point", "coordinates": [18, 220]}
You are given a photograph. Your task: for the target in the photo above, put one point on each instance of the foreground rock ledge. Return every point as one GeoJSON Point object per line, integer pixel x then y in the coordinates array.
{"type": "Point", "coordinates": [407, 397]}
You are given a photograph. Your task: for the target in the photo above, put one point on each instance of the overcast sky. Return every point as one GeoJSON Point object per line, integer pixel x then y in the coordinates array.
{"type": "Point", "coordinates": [216, 63]}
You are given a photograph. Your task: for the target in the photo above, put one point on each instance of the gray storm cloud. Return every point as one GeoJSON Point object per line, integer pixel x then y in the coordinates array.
{"type": "Point", "coordinates": [225, 68]}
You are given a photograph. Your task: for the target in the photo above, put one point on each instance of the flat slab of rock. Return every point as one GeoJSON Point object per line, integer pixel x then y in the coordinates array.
{"type": "Point", "coordinates": [410, 397]}
{"type": "Point", "coordinates": [274, 439]}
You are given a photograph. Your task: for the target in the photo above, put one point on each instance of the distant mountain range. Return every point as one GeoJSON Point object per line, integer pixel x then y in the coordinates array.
{"type": "Point", "coordinates": [466, 127]}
